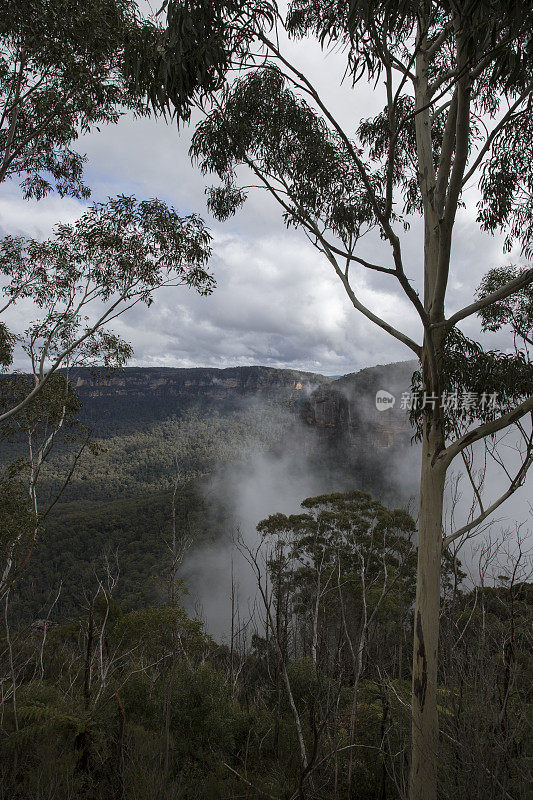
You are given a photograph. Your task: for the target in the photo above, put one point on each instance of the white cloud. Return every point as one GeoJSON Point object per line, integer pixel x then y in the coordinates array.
{"type": "Point", "coordinates": [19, 217]}
{"type": "Point", "coordinates": [278, 301]}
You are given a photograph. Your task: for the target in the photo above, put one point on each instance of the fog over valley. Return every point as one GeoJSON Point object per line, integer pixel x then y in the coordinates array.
{"type": "Point", "coordinates": [266, 400]}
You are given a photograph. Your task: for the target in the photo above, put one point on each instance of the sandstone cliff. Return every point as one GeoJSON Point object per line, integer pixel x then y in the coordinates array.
{"type": "Point", "coordinates": [136, 397]}
{"type": "Point", "coordinates": [349, 427]}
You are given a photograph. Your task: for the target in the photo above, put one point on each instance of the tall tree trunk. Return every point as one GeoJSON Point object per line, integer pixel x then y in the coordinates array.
{"type": "Point", "coordinates": [385, 707]}
{"type": "Point", "coordinates": [314, 643]}
{"type": "Point", "coordinates": [425, 729]}
{"type": "Point", "coordinates": [82, 741]}
{"type": "Point", "coordinates": [119, 794]}
{"type": "Point", "coordinates": [168, 711]}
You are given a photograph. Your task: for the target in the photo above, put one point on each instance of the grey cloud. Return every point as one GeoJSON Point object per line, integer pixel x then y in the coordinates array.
{"type": "Point", "coordinates": [278, 301]}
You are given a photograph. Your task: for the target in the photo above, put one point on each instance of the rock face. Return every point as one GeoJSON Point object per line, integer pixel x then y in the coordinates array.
{"type": "Point", "coordinates": [164, 381]}
{"type": "Point", "coordinates": [136, 397]}
{"type": "Point", "coordinates": [342, 412]}
{"type": "Point", "coordinates": [349, 427]}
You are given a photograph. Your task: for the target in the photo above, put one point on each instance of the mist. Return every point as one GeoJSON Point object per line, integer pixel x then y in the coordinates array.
{"type": "Point", "coordinates": [277, 476]}
{"type": "Point", "coordinates": [263, 482]}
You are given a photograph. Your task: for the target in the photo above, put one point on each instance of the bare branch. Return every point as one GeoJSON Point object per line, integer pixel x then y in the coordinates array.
{"type": "Point", "coordinates": [486, 429]}
{"type": "Point", "coordinates": [500, 294]}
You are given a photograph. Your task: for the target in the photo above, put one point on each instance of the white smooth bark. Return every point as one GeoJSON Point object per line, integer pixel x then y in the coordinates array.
{"type": "Point", "coordinates": [424, 725]}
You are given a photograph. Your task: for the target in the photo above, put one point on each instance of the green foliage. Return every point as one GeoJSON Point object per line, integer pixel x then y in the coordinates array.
{"type": "Point", "coordinates": [263, 122]}
{"type": "Point", "coordinates": [315, 169]}
{"type": "Point", "coordinates": [497, 381]}
{"type": "Point", "coordinates": [352, 556]}
{"type": "Point", "coordinates": [157, 680]}
{"type": "Point", "coordinates": [7, 342]}
{"type": "Point", "coordinates": [61, 72]}
{"type": "Point", "coordinates": [122, 247]}
{"type": "Point", "coordinates": [350, 25]}
{"type": "Point", "coordinates": [188, 59]}
{"type": "Point", "coordinates": [56, 404]}
{"type": "Point", "coordinates": [374, 135]}
{"type": "Point", "coordinates": [131, 698]}
{"type": "Point", "coordinates": [486, 688]}
{"type": "Point", "coordinates": [41, 719]}
{"type": "Point", "coordinates": [115, 255]}
{"type": "Point", "coordinates": [515, 311]}
{"type": "Point", "coordinates": [342, 531]}
{"type": "Point", "coordinates": [144, 461]}
{"type": "Point", "coordinates": [77, 534]}
{"type": "Point", "coordinates": [119, 499]}
{"type": "Point", "coordinates": [160, 629]}
{"type": "Point", "coordinates": [507, 186]}
{"type": "Point", "coordinates": [18, 520]}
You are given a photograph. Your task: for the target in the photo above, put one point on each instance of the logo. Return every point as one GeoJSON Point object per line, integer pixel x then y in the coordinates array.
{"type": "Point", "coordinates": [384, 400]}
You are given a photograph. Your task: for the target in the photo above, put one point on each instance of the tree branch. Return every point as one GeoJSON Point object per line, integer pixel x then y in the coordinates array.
{"type": "Point", "coordinates": [486, 429]}
{"type": "Point", "coordinates": [402, 337]}
{"type": "Point", "coordinates": [516, 483]}
{"type": "Point", "coordinates": [500, 294]}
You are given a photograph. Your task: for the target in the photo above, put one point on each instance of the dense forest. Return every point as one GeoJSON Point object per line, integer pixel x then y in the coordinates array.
{"type": "Point", "coordinates": [114, 686]}
{"type": "Point", "coordinates": [252, 582]}
{"type": "Point", "coordinates": [308, 695]}
{"type": "Point", "coordinates": [150, 451]}
{"type": "Point", "coordinates": [128, 484]}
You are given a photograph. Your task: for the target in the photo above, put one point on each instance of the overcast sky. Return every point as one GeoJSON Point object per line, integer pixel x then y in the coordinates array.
{"type": "Point", "coordinates": [277, 301]}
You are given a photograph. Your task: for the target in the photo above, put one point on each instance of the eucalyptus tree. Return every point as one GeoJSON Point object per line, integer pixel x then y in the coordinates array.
{"type": "Point", "coordinates": [339, 568]}
{"type": "Point", "coordinates": [115, 256]}
{"type": "Point", "coordinates": [54, 411]}
{"type": "Point", "coordinates": [75, 285]}
{"type": "Point", "coordinates": [456, 82]}
{"type": "Point", "coordinates": [514, 313]}
{"type": "Point", "coordinates": [61, 73]}
{"type": "Point", "coordinates": [69, 66]}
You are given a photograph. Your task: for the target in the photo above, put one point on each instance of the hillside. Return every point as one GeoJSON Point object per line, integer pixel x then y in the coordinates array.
{"type": "Point", "coordinates": [136, 397]}
{"type": "Point", "coordinates": [156, 427]}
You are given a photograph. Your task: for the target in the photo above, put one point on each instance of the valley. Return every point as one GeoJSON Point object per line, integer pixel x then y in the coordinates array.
{"type": "Point", "coordinates": [204, 432]}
